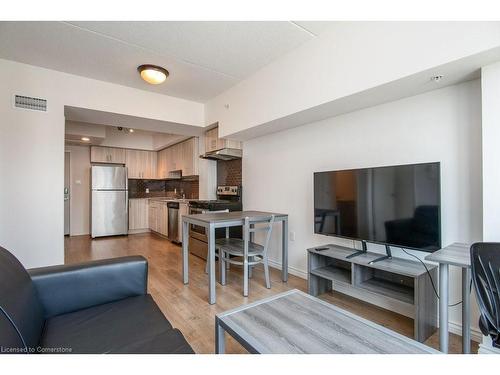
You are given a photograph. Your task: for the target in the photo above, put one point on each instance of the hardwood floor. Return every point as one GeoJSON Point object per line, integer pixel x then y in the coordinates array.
{"type": "Point", "coordinates": [186, 306]}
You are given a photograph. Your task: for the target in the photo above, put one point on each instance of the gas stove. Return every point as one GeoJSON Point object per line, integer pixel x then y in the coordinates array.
{"type": "Point", "coordinates": [228, 198]}
{"type": "Point", "coordinates": [216, 205]}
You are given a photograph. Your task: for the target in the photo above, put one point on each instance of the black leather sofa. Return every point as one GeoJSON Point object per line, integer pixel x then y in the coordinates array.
{"type": "Point", "coordinates": [95, 307]}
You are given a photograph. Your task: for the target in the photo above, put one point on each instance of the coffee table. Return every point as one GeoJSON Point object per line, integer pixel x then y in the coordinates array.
{"type": "Point", "coordinates": [295, 322]}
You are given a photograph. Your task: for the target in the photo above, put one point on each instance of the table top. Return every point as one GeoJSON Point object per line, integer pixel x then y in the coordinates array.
{"type": "Point", "coordinates": [407, 267]}
{"type": "Point", "coordinates": [295, 322]}
{"type": "Point", "coordinates": [220, 217]}
{"type": "Point", "coordinates": [456, 254]}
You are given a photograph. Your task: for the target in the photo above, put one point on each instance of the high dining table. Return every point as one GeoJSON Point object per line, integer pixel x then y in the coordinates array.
{"type": "Point", "coordinates": [456, 254]}
{"type": "Point", "coordinates": [212, 221]}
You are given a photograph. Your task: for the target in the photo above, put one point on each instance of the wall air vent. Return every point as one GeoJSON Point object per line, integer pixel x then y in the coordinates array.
{"type": "Point", "coordinates": [27, 102]}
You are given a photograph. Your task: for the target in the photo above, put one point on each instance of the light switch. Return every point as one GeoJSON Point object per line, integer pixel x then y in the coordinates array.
{"type": "Point", "coordinates": [292, 236]}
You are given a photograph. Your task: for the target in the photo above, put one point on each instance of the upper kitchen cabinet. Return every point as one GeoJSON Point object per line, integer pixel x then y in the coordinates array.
{"type": "Point", "coordinates": [213, 142]}
{"type": "Point", "coordinates": [99, 154]}
{"type": "Point", "coordinates": [182, 156]}
{"type": "Point", "coordinates": [162, 165]}
{"type": "Point", "coordinates": [189, 156]}
{"type": "Point", "coordinates": [141, 164]}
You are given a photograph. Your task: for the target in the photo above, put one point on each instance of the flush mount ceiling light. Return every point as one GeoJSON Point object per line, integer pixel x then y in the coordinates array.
{"type": "Point", "coordinates": [153, 74]}
{"type": "Point", "coordinates": [85, 139]}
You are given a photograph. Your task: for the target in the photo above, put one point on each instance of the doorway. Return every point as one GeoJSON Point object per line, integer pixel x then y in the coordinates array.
{"type": "Point", "coordinates": [67, 183]}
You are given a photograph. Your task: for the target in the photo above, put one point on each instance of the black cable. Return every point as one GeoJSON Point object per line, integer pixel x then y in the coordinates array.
{"type": "Point", "coordinates": [430, 277]}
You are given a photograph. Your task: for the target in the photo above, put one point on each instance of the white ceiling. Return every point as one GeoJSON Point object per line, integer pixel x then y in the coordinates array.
{"type": "Point", "coordinates": [203, 58]}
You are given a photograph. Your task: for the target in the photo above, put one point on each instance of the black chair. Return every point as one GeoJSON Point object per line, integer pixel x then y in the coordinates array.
{"type": "Point", "coordinates": [93, 307]}
{"type": "Point", "coordinates": [485, 266]}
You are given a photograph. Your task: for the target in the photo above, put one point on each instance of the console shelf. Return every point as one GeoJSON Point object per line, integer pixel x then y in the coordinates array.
{"type": "Point", "coordinates": [333, 273]}
{"type": "Point", "coordinates": [401, 284]}
{"type": "Point", "coordinates": [392, 290]}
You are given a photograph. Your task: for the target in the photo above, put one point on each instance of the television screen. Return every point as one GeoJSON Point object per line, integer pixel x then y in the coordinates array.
{"type": "Point", "coordinates": [397, 205]}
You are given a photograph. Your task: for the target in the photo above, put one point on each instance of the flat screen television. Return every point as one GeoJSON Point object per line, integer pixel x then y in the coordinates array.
{"type": "Point", "coordinates": [395, 205]}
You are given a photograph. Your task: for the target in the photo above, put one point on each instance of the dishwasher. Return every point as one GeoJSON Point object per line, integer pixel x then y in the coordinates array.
{"type": "Point", "coordinates": [173, 221]}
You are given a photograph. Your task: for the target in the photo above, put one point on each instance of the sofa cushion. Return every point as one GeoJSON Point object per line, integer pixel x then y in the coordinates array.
{"type": "Point", "coordinates": [171, 342]}
{"type": "Point", "coordinates": [21, 313]}
{"type": "Point", "coordinates": [131, 325]}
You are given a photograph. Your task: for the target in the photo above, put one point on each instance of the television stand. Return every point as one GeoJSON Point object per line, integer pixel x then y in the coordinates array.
{"type": "Point", "coordinates": [396, 284]}
{"type": "Point", "coordinates": [385, 257]}
{"type": "Point", "coordinates": [359, 252]}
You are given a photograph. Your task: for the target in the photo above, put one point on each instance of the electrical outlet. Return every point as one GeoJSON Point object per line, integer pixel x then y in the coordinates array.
{"type": "Point", "coordinates": [147, 190]}
{"type": "Point", "coordinates": [292, 236]}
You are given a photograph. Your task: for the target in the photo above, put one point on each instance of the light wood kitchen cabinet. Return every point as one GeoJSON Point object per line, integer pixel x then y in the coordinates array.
{"type": "Point", "coordinates": [182, 156]}
{"type": "Point", "coordinates": [163, 219]}
{"type": "Point", "coordinates": [158, 217]}
{"type": "Point", "coordinates": [99, 154]}
{"type": "Point", "coordinates": [138, 214]}
{"type": "Point", "coordinates": [189, 158]}
{"type": "Point", "coordinates": [161, 171]}
{"type": "Point", "coordinates": [211, 137]}
{"type": "Point", "coordinates": [153, 215]}
{"type": "Point", "coordinates": [172, 158]}
{"type": "Point", "coordinates": [141, 164]}
{"type": "Point", "coordinates": [213, 142]}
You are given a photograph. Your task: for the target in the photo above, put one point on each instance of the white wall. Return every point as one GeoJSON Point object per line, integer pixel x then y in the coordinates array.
{"type": "Point", "coordinates": [442, 125]}
{"type": "Point", "coordinates": [350, 58]}
{"type": "Point", "coordinates": [490, 85]}
{"type": "Point", "coordinates": [490, 92]}
{"type": "Point", "coordinates": [32, 150]}
{"type": "Point", "coordinates": [79, 189]}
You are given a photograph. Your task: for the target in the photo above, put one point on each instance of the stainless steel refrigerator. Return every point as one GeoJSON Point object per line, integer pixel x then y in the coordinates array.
{"type": "Point", "coordinates": [109, 204]}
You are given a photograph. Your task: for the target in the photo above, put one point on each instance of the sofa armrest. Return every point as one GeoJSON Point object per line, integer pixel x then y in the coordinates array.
{"type": "Point", "coordinates": [66, 288]}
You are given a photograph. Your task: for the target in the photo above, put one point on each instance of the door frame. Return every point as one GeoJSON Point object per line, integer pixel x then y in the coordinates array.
{"type": "Point", "coordinates": [67, 152]}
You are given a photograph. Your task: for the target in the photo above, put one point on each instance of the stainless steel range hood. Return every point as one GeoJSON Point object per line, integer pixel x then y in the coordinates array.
{"type": "Point", "coordinates": [223, 154]}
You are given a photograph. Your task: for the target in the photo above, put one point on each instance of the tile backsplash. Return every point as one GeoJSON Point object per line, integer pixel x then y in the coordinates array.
{"type": "Point", "coordinates": [137, 188]}
{"type": "Point", "coordinates": [229, 172]}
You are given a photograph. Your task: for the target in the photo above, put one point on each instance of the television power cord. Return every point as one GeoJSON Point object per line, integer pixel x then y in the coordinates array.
{"type": "Point", "coordinates": [430, 277]}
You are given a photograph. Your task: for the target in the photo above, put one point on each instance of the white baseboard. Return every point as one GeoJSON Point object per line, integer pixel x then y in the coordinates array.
{"type": "Point", "coordinates": [138, 231]}
{"type": "Point", "coordinates": [292, 270]}
{"type": "Point", "coordinates": [455, 328]}
{"type": "Point", "coordinates": [486, 347]}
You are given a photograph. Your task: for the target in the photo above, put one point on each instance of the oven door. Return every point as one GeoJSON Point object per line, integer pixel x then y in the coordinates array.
{"type": "Point", "coordinates": [197, 231]}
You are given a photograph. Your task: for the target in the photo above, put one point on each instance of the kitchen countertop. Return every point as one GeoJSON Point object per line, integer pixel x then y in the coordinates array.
{"type": "Point", "coordinates": [164, 199]}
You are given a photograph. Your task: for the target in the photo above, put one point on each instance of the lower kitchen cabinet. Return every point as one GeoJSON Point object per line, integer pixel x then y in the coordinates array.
{"type": "Point", "coordinates": [158, 217]}
{"type": "Point", "coordinates": [138, 216]}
